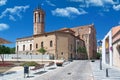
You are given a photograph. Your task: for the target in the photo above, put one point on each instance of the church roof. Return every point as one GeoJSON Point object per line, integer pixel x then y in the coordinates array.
{"type": "Point", "coordinates": [67, 30]}
{"type": "Point", "coordinates": [90, 25]}
{"type": "Point", "coordinates": [48, 33]}
{"type": "Point", "coordinates": [24, 38]}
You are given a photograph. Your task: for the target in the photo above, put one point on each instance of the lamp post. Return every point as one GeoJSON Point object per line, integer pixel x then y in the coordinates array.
{"type": "Point", "coordinates": [100, 44]}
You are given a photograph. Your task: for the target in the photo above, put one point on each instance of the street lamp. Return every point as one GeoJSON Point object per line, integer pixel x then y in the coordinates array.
{"type": "Point", "coordinates": [100, 44]}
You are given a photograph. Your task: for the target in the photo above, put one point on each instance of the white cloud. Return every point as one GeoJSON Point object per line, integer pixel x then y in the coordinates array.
{"type": "Point", "coordinates": [94, 3]}
{"type": "Point", "coordinates": [11, 12]}
{"type": "Point", "coordinates": [116, 7]}
{"type": "Point", "coordinates": [106, 5]}
{"type": "Point", "coordinates": [3, 26]}
{"type": "Point", "coordinates": [99, 3]}
{"type": "Point", "coordinates": [12, 18]}
{"type": "Point", "coordinates": [68, 12]}
{"type": "Point", "coordinates": [49, 3]}
{"type": "Point", "coordinates": [108, 2]}
{"type": "Point", "coordinates": [3, 2]}
{"type": "Point", "coordinates": [76, 0]}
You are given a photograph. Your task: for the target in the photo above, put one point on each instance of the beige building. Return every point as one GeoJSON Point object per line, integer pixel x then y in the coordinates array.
{"type": "Point", "coordinates": [88, 34]}
{"type": "Point", "coordinates": [60, 44]}
{"type": "Point", "coordinates": [116, 46]}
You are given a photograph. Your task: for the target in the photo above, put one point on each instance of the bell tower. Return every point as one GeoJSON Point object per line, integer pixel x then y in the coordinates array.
{"type": "Point", "coordinates": [38, 21]}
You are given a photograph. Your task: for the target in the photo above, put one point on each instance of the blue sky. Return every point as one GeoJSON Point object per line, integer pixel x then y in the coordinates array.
{"type": "Point", "coordinates": [16, 16]}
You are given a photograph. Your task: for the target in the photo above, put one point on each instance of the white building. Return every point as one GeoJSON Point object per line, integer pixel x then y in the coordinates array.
{"type": "Point", "coordinates": [24, 45]}
{"type": "Point", "coordinates": [107, 57]}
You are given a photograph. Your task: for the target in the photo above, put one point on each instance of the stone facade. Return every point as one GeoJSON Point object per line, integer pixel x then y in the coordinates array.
{"type": "Point", "coordinates": [88, 34]}
{"type": "Point", "coordinates": [60, 44]}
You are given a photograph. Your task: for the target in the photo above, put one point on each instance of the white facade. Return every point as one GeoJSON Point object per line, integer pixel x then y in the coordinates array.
{"type": "Point", "coordinates": [107, 57]}
{"type": "Point", "coordinates": [24, 46]}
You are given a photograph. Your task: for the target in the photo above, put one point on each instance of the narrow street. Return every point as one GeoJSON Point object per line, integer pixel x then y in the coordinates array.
{"type": "Point", "coordinates": [76, 70]}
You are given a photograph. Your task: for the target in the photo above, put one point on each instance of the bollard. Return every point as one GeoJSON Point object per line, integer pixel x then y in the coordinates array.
{"type": "Point", "coordinates": [107, 72]}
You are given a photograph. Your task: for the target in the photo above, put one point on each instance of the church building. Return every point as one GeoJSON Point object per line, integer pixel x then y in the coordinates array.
{"type": "Point", "coordinates": [61, 44]}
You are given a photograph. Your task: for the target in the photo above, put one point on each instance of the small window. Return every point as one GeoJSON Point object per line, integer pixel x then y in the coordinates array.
{"type": "Point", "coordinates": [41, 44]}
{"type": "Point", "coordinates": [61, 53]}
{"type": "Point", "coordinates": [36, 45]}
{"type": "Point", "coordinates": [51, 43]}
{"type": "Point", "coordinates": [23, 47]}
{"type": "Point", "coordinates": [35, 17]}
{"type": "Point", "coordinates": [17, 48]}
{"type": "Point", "coordinates": [30, 46]}
{"type": "Point", "coordinates": [39, 17]}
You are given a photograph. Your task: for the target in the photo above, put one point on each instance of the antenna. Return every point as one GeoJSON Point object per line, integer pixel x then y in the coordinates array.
{"type": "Point", "coordinates": [39, 6]}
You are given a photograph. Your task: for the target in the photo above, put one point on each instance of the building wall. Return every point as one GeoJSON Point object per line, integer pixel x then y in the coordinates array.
{"type": "Point", "coordinates": [62, 46]}
{"type": "Point", "coordinates": [66, 46]}
{"type": "Point", "coordinates": [88, 34]}
{"type": "Point", "coordinates": [46, 43]}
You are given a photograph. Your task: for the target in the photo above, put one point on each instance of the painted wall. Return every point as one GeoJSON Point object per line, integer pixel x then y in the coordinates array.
{"type": "Point", "coordinates": [26, 42]}
{"type": "Point", "coordinates": [107, 56]}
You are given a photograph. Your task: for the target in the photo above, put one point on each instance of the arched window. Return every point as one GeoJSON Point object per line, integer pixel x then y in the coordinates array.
{"type": "Point", "coordinates": [30, 46]}
{"type": "Point", "coordinates": [23, 47]}
{"type": "Point", "coordinates": [51, 43]}
{"type": "Point", "coordinates": [39, 17]}
{"type": "Point", "coordinates": [61, 53]}
{"type": "Point", "coordinates": [17, 48]}
{"type": "Point", "coordinates": [35, 17]}
{"type": "Point", "coordinates": [42, 45]}
{"type": "Point", "coordinates": [36, 45]}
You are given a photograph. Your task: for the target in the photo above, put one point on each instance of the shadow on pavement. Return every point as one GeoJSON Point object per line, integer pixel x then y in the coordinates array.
{"type": "Point", "coordinates": [1, 74]}
{"type": "Point", "coordinates": [30, 76]}
{"type": "Point", "coordinates": [51, 68]}
{"type": "Point", "coordinates": [10, 72]}
{"type": "Point", "coordinates": [7, 73]}
{"type": "Point", "coordinates": [41, 72]}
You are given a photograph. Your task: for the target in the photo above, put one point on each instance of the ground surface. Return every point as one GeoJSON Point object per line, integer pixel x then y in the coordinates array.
{"type": "Point", "coordinates": [77, 70]}
{"type": "Point", "coordinates": [10, 64]}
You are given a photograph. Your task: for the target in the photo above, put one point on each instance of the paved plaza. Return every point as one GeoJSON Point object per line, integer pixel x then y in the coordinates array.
{"type": "Point", "coordinates": [113, 72]}
{"type": "Point", "coordinates": [76, 70]}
